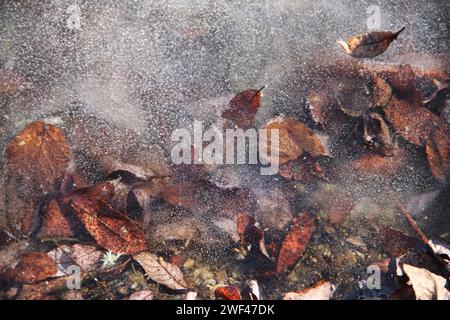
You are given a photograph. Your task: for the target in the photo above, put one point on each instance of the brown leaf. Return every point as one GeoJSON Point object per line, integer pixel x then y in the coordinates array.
{"type": "Point", "coordinates": [294, 139]}
{"type": "Point", "coordinates": [244, 224]}
{"type": "Point", "coordinates": [369, 44]}
{"type": "Point", "coordinates": [111, 229]}
{"type": "Point", "coordinates": [161, 271]}
{"type": "Point", "coordinates": [228, 293]}
{"type": "Point", "coordinates": [382, 92]}
{"type": "Point", "coordinates": [36, 163]}
{"type": "Point", "coordinates": [32, 268]}
{"type": "Point", "coordinates": [421, 127]}
{"type": "Point", "coordinates": [378, 165]}
{"type": "Point", "coordinates": [397, 244]}
{"type": "Point", "coordinates": [295, 242]}
{"type": "Point", "coordinates": [304, 169]}
{"type": "Point", "coordinates": [59, 221]}
{"type": "Point", "coordinates": [320, 106]}
{"type": "Point", "coordinates": [323, 290]}
{"type": "Point", "coordinates": [241, 110]}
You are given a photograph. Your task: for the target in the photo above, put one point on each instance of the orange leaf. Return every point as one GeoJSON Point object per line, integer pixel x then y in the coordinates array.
{"type": "Point", "coordinates": [295, 242]}
{"type": "Point", "coordinates": [228, 293]}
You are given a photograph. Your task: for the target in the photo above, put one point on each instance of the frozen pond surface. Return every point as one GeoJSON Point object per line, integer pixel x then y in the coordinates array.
{"type": "Point", "coordinates": [119, 76]}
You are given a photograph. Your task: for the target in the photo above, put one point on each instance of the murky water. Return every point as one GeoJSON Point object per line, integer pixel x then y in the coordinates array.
{"type": "Point", "coordinates": [119, 76]}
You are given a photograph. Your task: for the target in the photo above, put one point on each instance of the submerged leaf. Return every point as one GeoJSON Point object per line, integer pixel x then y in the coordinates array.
{"type": "Point", "coordinates": [323, 290]}
{"type": "Point", "coordinates": [32, 268]}
{"type": "Point", "coordinates": [161, 271]}
{"type": "Point", "coordinates": [241, 110]}
{"type": "Point", "coordinates": [294, 139]}
{"type": "Point", "coordinates": [295, 242]}
{"type": "Point", "coordinates": [228, 293]}
{"type": "Point", "coordinates": [111, 229]}
{"type": "Point", "coordinates": [426, 285]}
{"type": "Point", "coordinates": [37, 159]}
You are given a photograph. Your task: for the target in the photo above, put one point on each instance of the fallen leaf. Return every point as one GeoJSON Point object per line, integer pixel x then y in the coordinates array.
{"type": "Point", "coordinates": [33, 267]}
{"type": "Point", "coordinates": [381, 92]}
{"type": "Point", "coordinates": [304, 169]}
{"type": "Point", "coordinates": [397, 243]}
{"type": "Point", "coordinates": [320, 106]}
{"type": "Point", "coordinates": [228, 293]}
{"type": "Point", "coordinates": [59, 221]}
{"type": "Point", "coordinates": [111, 229]}
{"type": "Point", "coordinates": [250, 234]}
{"type": "Point", "coordinates": [11, 254]}
{"type": "Point", "coordinates": [375, 164]}
{"type": "Point", "coordinates": [426, 285]}
{"type": "Point", "coordinates": [161, 271]}
{"type": "Point", "coordinates": [295, 242]}
{"type": "Point", "coordinates": [294, 139]}
{"type": "Point", "coordinates": [253, 290]}
{"type": "Point", "coordinates": [85, 256]}
{"type": "Point", "coordinates": [37, 159]}
{"type": "Point", "coordinates": [369, 44]}
{"type": "Point", "coordinates": [241, 110]}
{"type": "Point", "coordinates": [141, 295]}
{"type": "Point", "coordinates": [421, 127]}
{"type": "Point", "coordinates": [323, 290]}
{"type": "Point", "coordinates": [191, 295]}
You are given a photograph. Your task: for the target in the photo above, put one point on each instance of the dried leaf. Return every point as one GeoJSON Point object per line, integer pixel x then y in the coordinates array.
{"type": "Point", "coordinates": [295, 242]}
{"type": "Point", "coordinates": [85, 256]}
{"type": "Point", "coordinates": [37, 159]}
{"type": "Point", "coordinates": [59, 221]}
{"type": "Point", "coordinates": [323, 290]}
{"type": "Point", "coordinates": [141, 295]}
{"type": "Point", "coordinates": [32, 268]}
{"type": "Point", "coordinates": [421, 127]}
{"type": "Point", "coordinates": [426, 285]}
{"type": "Point", "coordinates": [320, 105]}
{"type": "Point", "coordinates": [397, 244]}
{"type": "Point", "coordinates": [382, 92]}
{"type": "Point", "coordinates": [161, 271]}
{"type": "Point", "coordinates": [369, 44]}
{"type": "Point", "coordinates": [110, 228]}
{"type": "Point", "coordinates": [378, 165]}
{"type": "Point", "coordinates": [11, 254]}
{"type": "Point", "coordinates": [304, 169]}
{"type": "Point", "coordinates": [294, 139]}
{"type": "Point", "coordinates": [228, 293]}
{"type": "Point", "coordinates": [241, 110]}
